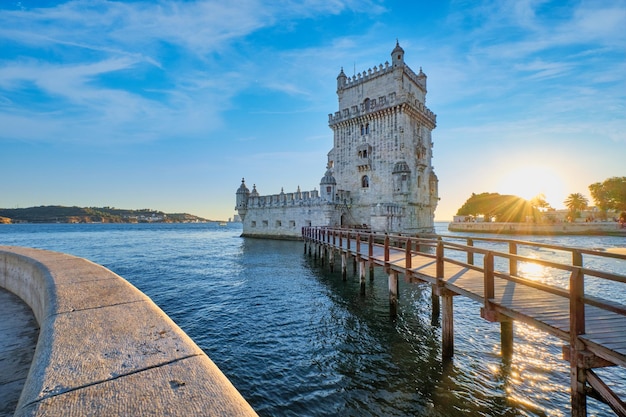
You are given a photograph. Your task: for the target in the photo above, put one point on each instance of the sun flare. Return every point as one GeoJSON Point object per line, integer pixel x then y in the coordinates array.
{"type": "Point", "coordinates": [529, 181]}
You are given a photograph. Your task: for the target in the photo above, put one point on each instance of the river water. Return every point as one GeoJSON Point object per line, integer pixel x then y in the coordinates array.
{"type": "Point", "coordinates": [296, 340]}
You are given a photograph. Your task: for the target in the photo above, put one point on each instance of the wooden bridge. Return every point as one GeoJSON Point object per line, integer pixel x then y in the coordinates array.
{"type": "Point", "coordinates": [593, 328]}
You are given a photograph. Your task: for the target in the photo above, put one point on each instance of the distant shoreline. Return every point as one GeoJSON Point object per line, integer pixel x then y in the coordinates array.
{"type": "Point", "coordinates": [74, 214]}
{"type": "Point", "coordinates": [580, 229]}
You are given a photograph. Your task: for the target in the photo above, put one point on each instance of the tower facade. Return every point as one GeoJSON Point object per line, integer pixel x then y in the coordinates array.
{"type": "Point", "coordinates": [382, 151]}
{"type": "Point", "coordinates": [379, 172]}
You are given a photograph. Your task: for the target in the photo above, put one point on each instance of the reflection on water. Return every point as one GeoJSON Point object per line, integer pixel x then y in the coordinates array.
{"type": "Point", "coordinates": [297, 340]}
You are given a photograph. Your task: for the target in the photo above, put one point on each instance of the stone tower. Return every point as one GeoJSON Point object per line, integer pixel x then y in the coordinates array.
{"type": "Point", "coordinates": [379, 173]}
{"type": "Point", "coordinates": [382, 150]}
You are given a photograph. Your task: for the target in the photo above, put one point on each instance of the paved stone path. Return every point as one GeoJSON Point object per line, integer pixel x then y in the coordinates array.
{"type": "Point", "coordinates": [18, 339]}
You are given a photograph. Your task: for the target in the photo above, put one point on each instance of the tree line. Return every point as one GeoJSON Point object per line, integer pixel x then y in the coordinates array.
{"type": "Point", "coordinates": [609, 195]}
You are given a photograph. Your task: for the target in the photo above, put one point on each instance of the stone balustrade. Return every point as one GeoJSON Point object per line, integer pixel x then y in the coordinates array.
{"type": "Point", "coordinates": [105, 349]}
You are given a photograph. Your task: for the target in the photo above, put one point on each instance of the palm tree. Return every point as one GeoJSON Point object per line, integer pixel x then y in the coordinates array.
{"type": "Point", "coordinates": [575, 203]}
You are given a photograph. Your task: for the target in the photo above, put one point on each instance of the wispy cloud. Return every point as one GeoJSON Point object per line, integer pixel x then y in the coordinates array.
{"type": "Point", "coordinates": [104, 64]}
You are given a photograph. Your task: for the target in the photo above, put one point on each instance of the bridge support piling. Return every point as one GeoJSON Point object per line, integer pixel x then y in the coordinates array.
{"type": "Point", "coordinates": [344, 267]}
{"type": "Point", "coordinates": [331, 259]}
{"type": "Point", "coordinates": [447, 325]}
{"type": "Point", "coordinates": [393, 294]}
{"type": "Point", "coordinates": [436, 306]}
{"type": "Point", "coordinates": [506, 339]}
{"type": "Point", "coordinates": [578, 377]}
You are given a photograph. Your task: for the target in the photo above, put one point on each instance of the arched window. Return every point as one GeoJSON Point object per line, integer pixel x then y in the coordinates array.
{"type": "Point", "coordinates": [362, 130]}
{"type": "Point", "coordinates": [367, 128]}
{"type": "Point", "coordinates": [365, 181]}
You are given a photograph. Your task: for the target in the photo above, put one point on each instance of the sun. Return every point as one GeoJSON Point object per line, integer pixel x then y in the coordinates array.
{"type": "Point", "coordinates": [529, 181]}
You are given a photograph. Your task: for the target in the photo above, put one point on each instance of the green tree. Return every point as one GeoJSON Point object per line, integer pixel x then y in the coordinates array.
{"type": "Point", "coordinates": [505, 208]}
{"type": "Point", "coordinates": [609, 194]}
{"type": "Point", "coordinates": [575, 203]}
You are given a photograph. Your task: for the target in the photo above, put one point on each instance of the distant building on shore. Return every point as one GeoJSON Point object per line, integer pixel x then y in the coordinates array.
{"type": "Point", "coordinates": [379, 173]}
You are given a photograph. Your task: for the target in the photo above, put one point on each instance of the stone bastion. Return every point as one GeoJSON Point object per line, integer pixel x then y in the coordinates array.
{"type": "Point", "coordinates": [105, 348]}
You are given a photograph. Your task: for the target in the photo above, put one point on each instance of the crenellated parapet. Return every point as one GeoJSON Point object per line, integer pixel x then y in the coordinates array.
{"type": "Point", "coordinates": [372, 107]}
{"type": "Point", "coordinates": [384, 105]}
{"type": "Point", "coordinates": [367, 75]}
{"type": "Point", "coordinates": [298, 198]}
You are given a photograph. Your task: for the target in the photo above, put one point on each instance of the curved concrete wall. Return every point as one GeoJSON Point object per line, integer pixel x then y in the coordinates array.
{"type": "Point", "coordinates": [105, 348]}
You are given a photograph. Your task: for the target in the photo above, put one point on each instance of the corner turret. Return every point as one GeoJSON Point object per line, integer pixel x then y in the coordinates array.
{"type": "Point", "coordinates": [421, 78]}
{"type": "Point", "coordinates": [242, 199]}
{"type": "Point", "coordinates": [341, 80]}
{"type": "Point", "coordinates": [397, 56]}
{"type": "Point", "coordinates": [328, 186]}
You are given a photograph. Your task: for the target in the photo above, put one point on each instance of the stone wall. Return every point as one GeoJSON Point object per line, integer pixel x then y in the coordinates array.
{"type": "Point", "coordinates": [105, 349]}
{"type": "Point", "coordinates": [599, 228]}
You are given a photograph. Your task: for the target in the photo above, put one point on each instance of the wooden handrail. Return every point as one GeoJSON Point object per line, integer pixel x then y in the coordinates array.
{"type": "Point", "coordinates": [405, 243]}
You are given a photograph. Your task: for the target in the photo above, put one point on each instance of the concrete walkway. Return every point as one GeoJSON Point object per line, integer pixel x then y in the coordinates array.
{"type": "Point", "coordinates": [18, 339]}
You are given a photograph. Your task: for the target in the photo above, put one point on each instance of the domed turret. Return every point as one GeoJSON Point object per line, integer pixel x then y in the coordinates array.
{"type": "Point", "coordinates": [341, 80]}
{"type": "Point", "coordinates": [397, 55]}
{"type": "Point", "coordinates": [242, 199]}
{"type": "Point", "coordinates": [328, 185]}
{"type": "Point", "coordinates": [421, 78]}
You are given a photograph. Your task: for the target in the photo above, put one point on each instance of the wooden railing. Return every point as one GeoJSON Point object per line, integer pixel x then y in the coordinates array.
{"type": "Point", "coordinates": [494, 261]}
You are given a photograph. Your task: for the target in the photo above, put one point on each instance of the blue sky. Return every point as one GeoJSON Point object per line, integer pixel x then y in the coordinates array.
{"type": "Point", "coordinates": [168, 104]}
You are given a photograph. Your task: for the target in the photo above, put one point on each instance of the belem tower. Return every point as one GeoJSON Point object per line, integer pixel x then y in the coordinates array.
{"type": "Point", "coordinates": [379, 173]}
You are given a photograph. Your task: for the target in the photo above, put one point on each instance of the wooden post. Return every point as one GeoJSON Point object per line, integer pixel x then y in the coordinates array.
{"type": "Point", "coordinates": [393, 293]}
{"type": "Point", "coordinates": [386, 247]}
{"type": "Point", "coordinates": [489, 290]}
{"type": "Point", "coordinates": [470, 254]}
{"type": "Point", "coordinates": [438, 287]}
{"type": "Point", "coordinates": [578, 374]}
{"type": "Point", "coordinates": [370, 255]}
{"type": "Point", "coordinates": [362, 274]}
{"type": "Point", "coordinates": [331, 259]}
{"type": "Point", "coordinates": [343, 265]}
{"type": "Point", "coordinates": [440, 270]}
{"type": "Point", "coordinates": [512, 262]}
{"type": "Point", "coordinates": [324, 251]}
{"type": "Point", "coordinates": [576, 305]}
{"type": "Point", "coordinates": [447, 326]}
{"type": "Point", "coordinates": [506, 339]}
{"type": "Point", "coordinates": [407, 257]}
{"type": "Point", "coordinates": [436, 306]}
